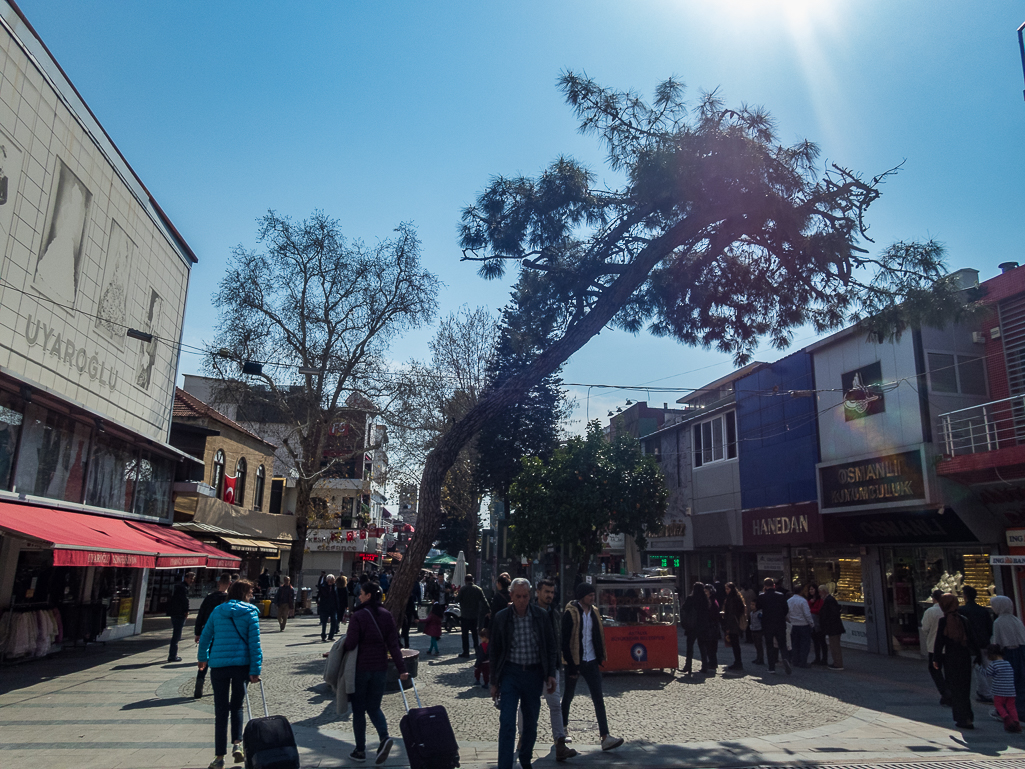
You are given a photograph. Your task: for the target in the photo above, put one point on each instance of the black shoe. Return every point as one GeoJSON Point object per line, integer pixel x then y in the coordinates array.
{"type": "Point", "coordinates": [946, 702]}
{"type": "Point", "coordinates": [174, 659]}
{"type": "Point", "coordinates": [735, 666]}
{"type": "Point", "coordinates": [465, 654]}
{"type": "Point", "coordinates": [965, 725]}
{"type": "Point", "coordinates": [358, 755]}
{"type": "Point", "coordinates": [759, 662]}
{"type": "Point", "coordinates": [383, 749]}
{"type": "Point", "coordinates": [198, 693]}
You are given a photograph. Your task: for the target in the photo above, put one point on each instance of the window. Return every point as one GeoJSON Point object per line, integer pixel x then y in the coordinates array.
{"type": "Point", "coordinates": [964, 374]}
{"type": "Point", "coordinates": [261, 476]}
{"type": "Point", "coordinates": [11, 415]}
{"type": "Point", "coordinates": [217, 479]}
{"type": "Point", "coordinates": [113, 469]}
{"type": "Point", "coordinates": [153, 488]}
{"type": "Point", "coordinates": [240, 482]}
{"type": "Point", "coordinates": [715, 439]}
{"type": "Point", "coordinates": [52, 457]}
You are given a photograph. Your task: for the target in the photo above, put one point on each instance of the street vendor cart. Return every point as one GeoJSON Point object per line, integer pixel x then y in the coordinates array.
{"type": "Point", "coordinates": [640, 615]}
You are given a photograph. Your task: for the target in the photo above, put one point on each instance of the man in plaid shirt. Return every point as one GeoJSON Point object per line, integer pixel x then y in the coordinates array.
{"type": "Point", "coordinates": [523, 654]}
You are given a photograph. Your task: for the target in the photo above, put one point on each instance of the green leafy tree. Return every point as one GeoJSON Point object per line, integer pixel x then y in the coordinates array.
{"type": "Point", "coordinates": [589, 488]}
{"type": "Point", "coordinates": [719, 235]}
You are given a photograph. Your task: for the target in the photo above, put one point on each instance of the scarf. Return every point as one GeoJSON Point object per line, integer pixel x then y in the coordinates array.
{"type": "Point", "coordinates": [955, 629]}
{"type": "Point", "coordinates": [1008, 631]}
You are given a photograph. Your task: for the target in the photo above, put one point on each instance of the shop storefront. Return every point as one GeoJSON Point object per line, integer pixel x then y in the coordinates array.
{"type": "Point", "coordinates": [77, 578]}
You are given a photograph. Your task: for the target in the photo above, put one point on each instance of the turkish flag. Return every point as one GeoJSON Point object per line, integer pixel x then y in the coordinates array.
{"type": "Point", "coordinates": [350, 536]}
{"type": "Point", "coordinates": [362, 533]}
{"type": "Point", "coordinates": [229, 489]}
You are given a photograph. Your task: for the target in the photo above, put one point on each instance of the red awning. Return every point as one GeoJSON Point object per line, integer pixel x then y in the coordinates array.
{"type": "Point", "coordinates": [181, 550]}
{"type": "Point", "coordinates": [80, 539]}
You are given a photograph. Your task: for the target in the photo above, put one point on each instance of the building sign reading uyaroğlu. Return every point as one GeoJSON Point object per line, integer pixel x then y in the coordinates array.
{"type": "Point", "coordinates": [873, 482]}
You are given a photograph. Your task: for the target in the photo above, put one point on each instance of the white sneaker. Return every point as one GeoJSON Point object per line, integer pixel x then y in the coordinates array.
{"type": "Point", "coordinates": [611, 743]}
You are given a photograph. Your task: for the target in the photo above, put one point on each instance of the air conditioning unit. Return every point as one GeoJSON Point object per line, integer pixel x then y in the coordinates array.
{"type": "Point", "coordinates": [978, 337]}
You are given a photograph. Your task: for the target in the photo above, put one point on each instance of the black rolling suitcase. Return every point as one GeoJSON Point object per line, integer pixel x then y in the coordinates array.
{"type": "Point", "coordinates": [428, 736]}
{"type": "Point", "coordinates": [268, 742]}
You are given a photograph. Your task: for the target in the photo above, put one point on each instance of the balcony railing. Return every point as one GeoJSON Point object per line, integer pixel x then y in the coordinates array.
{"type": "Point", "coordinates": [991, 426]}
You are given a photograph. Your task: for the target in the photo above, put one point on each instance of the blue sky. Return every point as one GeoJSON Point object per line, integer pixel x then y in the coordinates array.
{"type": "Point", "coordinates": [398, 111]}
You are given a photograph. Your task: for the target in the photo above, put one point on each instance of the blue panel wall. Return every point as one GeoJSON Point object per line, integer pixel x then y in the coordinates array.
{"type": "Point", "coordinates": [777, 434]}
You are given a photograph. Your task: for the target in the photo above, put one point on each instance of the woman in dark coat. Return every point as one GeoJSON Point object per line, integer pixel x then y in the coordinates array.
{"type": "Point", "coordinates": [733, 613]}
{"type": "Point", "coordinates": [831, 621]}
{"type": "Point", "coordinates": [372, 629]}
{"type": "Point", "coordinates": [954, 651]}
{"type": "Point", "coordinates": [501, 599]}
{"type": "Point", "coordinates": [694, 618]}
{"type": "Point", "coordinates": [710, 637]}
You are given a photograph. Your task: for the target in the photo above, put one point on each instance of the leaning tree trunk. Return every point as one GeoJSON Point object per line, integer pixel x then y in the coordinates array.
{"type": "Point", "coordinates": [303, 492]}
{"type": "Point", "coordinates": [492, 402]}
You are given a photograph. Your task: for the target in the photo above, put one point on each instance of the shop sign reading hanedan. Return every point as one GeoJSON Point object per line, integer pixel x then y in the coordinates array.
{"type": "Point", "coordinates": [894, 478]}
{"type": "Point", "coordinates": [797, 524]}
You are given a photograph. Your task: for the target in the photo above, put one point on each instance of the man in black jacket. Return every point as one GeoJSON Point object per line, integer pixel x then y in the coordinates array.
{"type": "Point", "coordinates": [980, 622]}
{"type": "Point", "coordinates": [523, 655]}
{"type": "Point", "coordinates": [178, 609]}
{"type": "Point", "coordinates": [583, 648]}
{"type": "Point", "coordinates": [211, 602]}
{"type": "Point", "coordinates": [472, 603]}
{"type": "Point", "coordinates": [774, 609]}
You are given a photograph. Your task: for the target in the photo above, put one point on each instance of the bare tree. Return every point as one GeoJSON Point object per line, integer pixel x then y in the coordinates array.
{"type": "Point", "coordinates": [433, 396]}
{"type": "Point", "coordinates": [316, 312]}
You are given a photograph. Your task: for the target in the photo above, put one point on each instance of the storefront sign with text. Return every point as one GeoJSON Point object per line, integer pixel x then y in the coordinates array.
{"type": "Point", "coordinates": [875, 482]}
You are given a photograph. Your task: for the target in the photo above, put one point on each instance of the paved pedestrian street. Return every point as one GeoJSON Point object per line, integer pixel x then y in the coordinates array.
{"type": "Point", "coordinates": [122, 705]}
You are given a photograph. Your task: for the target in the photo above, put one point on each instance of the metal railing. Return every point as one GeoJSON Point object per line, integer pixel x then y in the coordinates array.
{"type": "Point", "coordinates": [990, 426]}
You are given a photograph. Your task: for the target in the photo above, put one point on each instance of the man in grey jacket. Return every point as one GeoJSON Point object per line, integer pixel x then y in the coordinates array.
{"type": "Point", "coordinates": [523, 655]}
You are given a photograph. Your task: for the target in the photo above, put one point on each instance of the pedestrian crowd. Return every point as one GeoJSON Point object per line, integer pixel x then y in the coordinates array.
{"type": "Point", "coordinates": [788, 630]}
{"type": "Point", "coordinates": [531, 654]}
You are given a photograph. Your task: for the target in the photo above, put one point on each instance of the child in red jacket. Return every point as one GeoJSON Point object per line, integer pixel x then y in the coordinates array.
{"type": "Point", "coordinates": [482, 669]}
{"type": "Point", "coordinates": [432, 626]}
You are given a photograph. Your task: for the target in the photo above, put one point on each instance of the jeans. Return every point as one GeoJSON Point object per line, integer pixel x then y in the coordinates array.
{"type": "Point", "coordinates": [284, 610]}
{"type": "Point", "coordinates": [709, 646]}
{"type": "Point", "coordinates": [818, 640]}
{"type": "Point", "coordinates": [756, 639]}
{"type": "Point", "coordinates": [232, 678]}
{"type": "Point", "coordinates": [177, 624]}
{"type": "Point", "coordinates": [324, 619]}
{"type": "Point", "coordinates": [469, 627]}
{"type": "Point", "coordinates": [591, 673]}
{"type": "Point", "coordinates": [366, 700]}
{"type": "Point", "coordinates": [735, 644]}
{"type": "Point", "coordinates": [775, 644]}
{"type": "Point", "coordinates": [519, 687]}
{"type": "Point", "coordinates": [690, 652]}
{"type": "Point", "coordinates": [200, 680]}
{"type": "Point", "coordinates": [554, 702]}
{"type": "Point", "coordinates": [434, 646]}
{"type": "Point", "coordinates": [800, 639]}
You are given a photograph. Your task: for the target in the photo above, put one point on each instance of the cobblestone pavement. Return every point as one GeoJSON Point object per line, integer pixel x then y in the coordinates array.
{"type": "Point", "coordinates": [122, 706]}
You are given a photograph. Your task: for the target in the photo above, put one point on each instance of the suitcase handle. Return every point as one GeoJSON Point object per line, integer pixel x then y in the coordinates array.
{"type": "Point", "coordinates": [263, 696]}
{"type": "Point", "coordinates": [417, 693]}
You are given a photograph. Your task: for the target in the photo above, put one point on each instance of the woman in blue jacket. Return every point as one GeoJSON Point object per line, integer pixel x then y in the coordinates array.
{"type": "Point", "coordinates": [230, 645]}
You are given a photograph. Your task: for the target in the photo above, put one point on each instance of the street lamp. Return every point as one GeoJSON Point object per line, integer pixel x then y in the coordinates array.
{"type": "Point", "coordinates": [1021, 48]}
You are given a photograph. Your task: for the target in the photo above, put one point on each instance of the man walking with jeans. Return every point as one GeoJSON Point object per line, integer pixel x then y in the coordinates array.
{"type": "Point", "coordinates": [774, 609]}
{"type": "Point", "coordinates": [211, 602]}
{"type": "Point", "coordinates": [471, 601]}
{"type": "Point", "coordinates": [583, 647]}
{"type": "Point", "coordinates": [930, 624]}
{"type": "Point", "coordinates": [178, 609]}
{"type": "Point", "coordinates": [522, 654]}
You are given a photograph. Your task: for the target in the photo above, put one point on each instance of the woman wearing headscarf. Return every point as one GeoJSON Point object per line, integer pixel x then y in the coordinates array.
{"type": "Point", "coordinates": [694, 618]}
{"type": "Point", "coordinates": [1009, 635]}
{"type": "Point", "coordinates": [954, 652]}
